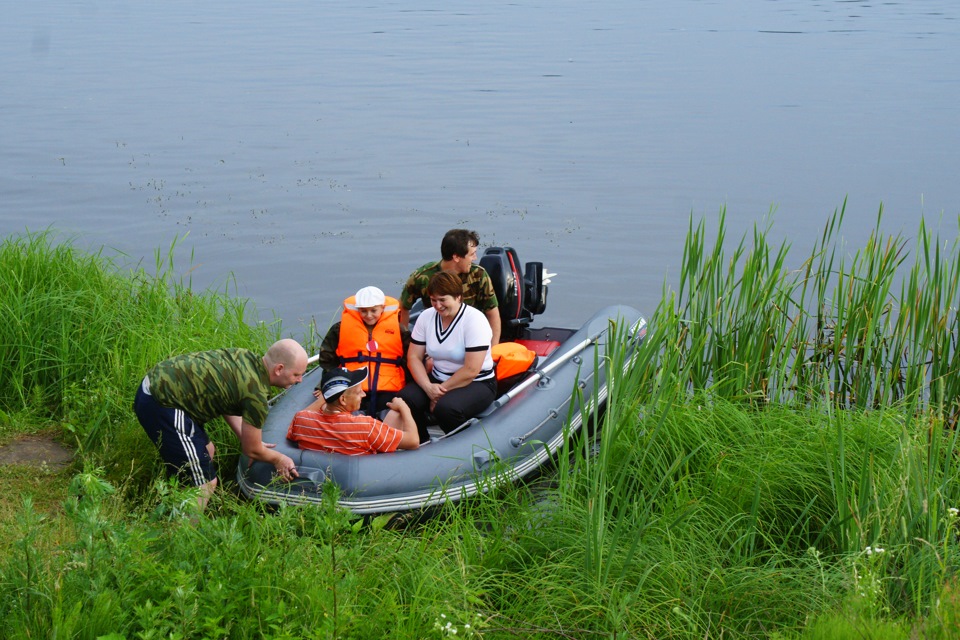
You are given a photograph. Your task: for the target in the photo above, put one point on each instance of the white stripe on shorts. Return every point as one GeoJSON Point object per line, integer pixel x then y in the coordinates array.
{"type": "Point", "coordinates": [191, 451]}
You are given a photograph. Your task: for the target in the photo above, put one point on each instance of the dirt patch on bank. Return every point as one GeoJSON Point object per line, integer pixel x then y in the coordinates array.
{"type": "Point", "coordinates": [36, 451]}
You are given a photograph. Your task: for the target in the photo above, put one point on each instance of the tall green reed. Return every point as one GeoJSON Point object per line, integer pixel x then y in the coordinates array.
{"type": "Point", "coordinates": [751, 328]}
{"type": "Point", "coordinates": [731, 313]}
{"type": "Point", "coordinates": [870, 374]}
{"type": "Point", "coordinates": [601, 478]}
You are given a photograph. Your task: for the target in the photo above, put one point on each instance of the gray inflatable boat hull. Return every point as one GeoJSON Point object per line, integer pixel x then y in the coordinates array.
{"type": "Point", "coordinates": [511, 439]}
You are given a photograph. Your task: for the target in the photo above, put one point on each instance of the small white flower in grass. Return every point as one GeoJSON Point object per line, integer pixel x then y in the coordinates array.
{"type": "Point", "coordinates": [953, 511]}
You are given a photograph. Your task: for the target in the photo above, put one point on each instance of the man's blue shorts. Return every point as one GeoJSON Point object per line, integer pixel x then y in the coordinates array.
{"type": "Point", "coordinates": [182, 443]}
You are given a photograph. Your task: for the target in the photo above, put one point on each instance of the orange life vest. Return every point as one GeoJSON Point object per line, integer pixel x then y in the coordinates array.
{"type": "Point", "coordinates": [511, 359]}
{"type": "Point", "coordinates": [384, 361]}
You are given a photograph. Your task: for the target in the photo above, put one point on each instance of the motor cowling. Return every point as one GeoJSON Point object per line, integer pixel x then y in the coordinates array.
{"type": "Point", "coordinates": [520, 295]}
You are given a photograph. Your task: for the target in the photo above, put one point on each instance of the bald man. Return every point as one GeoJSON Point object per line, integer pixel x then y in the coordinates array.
{"type": "Point", "coordinates": [179, 395]}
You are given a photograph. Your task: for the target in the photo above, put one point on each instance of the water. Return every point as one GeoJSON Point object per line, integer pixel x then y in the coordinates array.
{"type": "Point", "coordinates": [311, 148]}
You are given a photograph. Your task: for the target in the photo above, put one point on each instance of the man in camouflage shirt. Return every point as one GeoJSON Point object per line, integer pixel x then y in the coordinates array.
{"type": "Point", "coordinates": [458, 252]}
{"type": "Point", "coordinates": [179, 395]}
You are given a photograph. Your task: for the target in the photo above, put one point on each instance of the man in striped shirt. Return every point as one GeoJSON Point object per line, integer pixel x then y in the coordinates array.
{"type": "Point", "coordinates": [329, 424]}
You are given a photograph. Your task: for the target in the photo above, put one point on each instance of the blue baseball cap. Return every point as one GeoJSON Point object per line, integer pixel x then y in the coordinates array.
{"type": "Point", "coordinates": [336, 381]}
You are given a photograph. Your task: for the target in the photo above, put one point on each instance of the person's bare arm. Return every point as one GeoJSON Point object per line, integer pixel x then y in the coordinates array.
{"type": "Point", "coordinates": [251, 441]}
{"type": "Point", "coordinates": [472, 364]}
{"type": "Point", "coordinates": [400, 418]}
{"type": "Point", "coordinates": [316, 405]}
{"type": "Point", "coordinates": [493, 317]}
{"type": "Point", "coordinates": [418, 371]}
{"type": "Point", "coordinates": [404, 317]}
{"type": "Point", "coordinates": [234, 422]}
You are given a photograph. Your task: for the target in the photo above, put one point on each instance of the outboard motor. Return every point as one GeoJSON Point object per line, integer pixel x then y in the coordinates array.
{"type": "Point", "coordinates": [521, 294]}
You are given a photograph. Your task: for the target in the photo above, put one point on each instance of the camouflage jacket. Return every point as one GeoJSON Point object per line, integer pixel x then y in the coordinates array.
{"type": "Point", "coordinates": [214, 383]}
{"type": "Point", "coordinates": [477, 287]}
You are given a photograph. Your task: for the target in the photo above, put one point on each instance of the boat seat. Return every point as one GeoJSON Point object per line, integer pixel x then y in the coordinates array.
{"type": "Point", "coordinates": [542, 348]}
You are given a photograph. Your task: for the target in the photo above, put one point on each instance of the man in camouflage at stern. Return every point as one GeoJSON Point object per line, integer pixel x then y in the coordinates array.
{"type": "Point", "coordinates": [179, 395]}
{"type": "Point", "coordinates": [458, 252]}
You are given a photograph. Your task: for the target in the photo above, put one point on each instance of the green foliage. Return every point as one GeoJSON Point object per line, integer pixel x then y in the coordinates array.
{"type": "Point", "coordinates": [163, 572]}
{"type": "Point", "coordinates": [778, 459]}
{"type": "Point", "coordinates": [830, 329]}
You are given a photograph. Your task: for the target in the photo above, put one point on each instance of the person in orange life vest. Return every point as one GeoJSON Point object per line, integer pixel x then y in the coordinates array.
{"type": "Point", "coordinates": [330, 423]}
{"type": "Point", "coordinates": [369, 335]}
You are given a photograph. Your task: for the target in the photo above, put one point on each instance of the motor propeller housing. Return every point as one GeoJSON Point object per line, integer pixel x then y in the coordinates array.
{"type": "Point", "coordinates": [521, 291]}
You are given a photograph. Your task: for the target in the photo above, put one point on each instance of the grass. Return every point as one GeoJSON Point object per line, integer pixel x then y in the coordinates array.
{"type": "Point", "coordinates": [779, 461]}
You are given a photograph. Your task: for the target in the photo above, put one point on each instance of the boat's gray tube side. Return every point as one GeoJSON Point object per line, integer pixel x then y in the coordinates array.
{"type": "Point", "coordinates": [509, 440]}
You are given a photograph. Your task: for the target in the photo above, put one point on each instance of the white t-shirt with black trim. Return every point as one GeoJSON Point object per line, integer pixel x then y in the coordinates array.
{"type": "Point", "coordinates": [469, 331]}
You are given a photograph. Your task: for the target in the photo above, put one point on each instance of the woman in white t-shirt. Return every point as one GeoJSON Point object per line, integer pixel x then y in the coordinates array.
{"type": "Point", "coordinates": [462, 381]}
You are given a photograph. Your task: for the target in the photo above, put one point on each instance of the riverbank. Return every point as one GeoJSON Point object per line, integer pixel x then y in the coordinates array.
{"type": "Point", "coordinates": [780, 463]}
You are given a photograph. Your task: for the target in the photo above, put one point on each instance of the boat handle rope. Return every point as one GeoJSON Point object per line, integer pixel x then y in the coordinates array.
{"type": "Point", "coordinates": [552, 414]}
{"type": "Point", "coordinates": [460, 428]}
{"type": "Point", "coordinates": [516, 441]}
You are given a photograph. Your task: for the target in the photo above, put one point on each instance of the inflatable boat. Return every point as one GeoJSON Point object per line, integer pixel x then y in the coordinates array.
{"type": "Point", "coordinates": [535, 413]}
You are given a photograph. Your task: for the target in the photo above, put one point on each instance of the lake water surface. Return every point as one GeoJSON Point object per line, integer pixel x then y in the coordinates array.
{"type": "Point", "coordinates": [313, 147]}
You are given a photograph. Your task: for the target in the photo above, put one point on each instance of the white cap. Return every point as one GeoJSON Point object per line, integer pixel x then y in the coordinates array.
{"type": "Point", "coordinates": [369, 297]}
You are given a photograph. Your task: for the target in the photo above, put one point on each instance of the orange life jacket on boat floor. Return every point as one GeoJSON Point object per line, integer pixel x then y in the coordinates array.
{"type": "Point", "coordinates": [511, 359]}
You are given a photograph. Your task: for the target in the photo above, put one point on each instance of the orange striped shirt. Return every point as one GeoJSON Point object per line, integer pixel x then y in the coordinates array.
{"type": "Point", "coordinates": [343, 433]}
